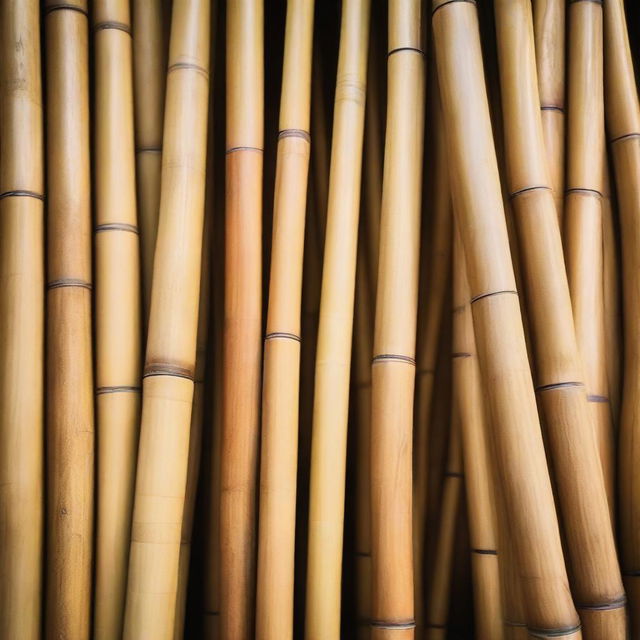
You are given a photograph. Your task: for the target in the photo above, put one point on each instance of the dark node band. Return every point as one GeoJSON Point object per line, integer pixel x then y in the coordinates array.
{"type": "Point", "coordinates": [362, 554]}
{"type": "Point", "coordinates": [460, 354]}
{"type": "Point", "coordinates": [117, 226]}
{"type": "Point", "coordinates": [626, 136]}
{"type": "Point", "coordinates": [618, 603]}
{"type": "Point", "coordinates": [444, 4]}
{"type": "Point", "coordinates": [65, 5]}
{"type": "Point", "coordinates": [167, 369]}
{"type": "Point", "coordinates": [185, 66]}
{"type": "Point", "coordinates": [554, 633]}
{"type": "Point", "coordinates": [21, 193]}
{"type": "Point", "coordinates": [69, 282]}
{"type": "Point", "coordinates": [558, 385]}
{"type": "Point", "coordinates": [118, 26]}
{"type": "Point", "coordinates": [294, 133]}
{"type": "Point", "coordinates": [453, 474]}
{"type": "Point", "coordinates": [581, 190]}
{"type": "Point", "coordinates": [485, 552]}
{"type": "Point", "coordinates": [393, 357]}
{"type": "Point", "coordinates": [282, 335]}
{"type": "Point", "coordinates": [410, 49]}
{"type": "Point", "coordinates": [392, 624]}
{"type": "Point", "coordinates": [551, 107]}
{"type": "Point", "coordinates": [492, 293]}
{"type": "Point", "coordinates": [118, 389]}
{"type": "Point", "coordinates": [235, 149]}
{"type": "Point", "coordinates": [519, 192]}
{"type": "Point", "coordinates": [148, 149]}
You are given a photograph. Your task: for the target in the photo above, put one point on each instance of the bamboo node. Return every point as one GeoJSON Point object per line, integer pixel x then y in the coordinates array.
{"type": "Point", "coordinates": [399, 49]}
{"type": "Point", "coordinates": [69, 282]}
{"type": "Point", "coordinates": [480, 296]}
{"type": "Point", "coordinates": [21, 193]}
{"type": "Point", "coordinates": [186, 66]}
{"type": "Point", "coordinates": [383, 357]}
{"type": "Point", "coordinates": [551, 107]}
{"type": "Point", "coordinates": [444, 4]}
{"type": "Point", "coordinates": [515, 194]}
{"type": "Point", "coordinates": [485, 552]}
{"type": "Point", "coordinates": [453, 474]}
{"type": "Point", "coordinates": [594, 397]}
{"type": "Point", "coordinates": [625, 136]}
{"type": "Point", "coordinates": [234, 149]}
{"type": "Point", "coordinates": [117, 226]}
{"type": "Point", "coordinates": [118, 26]}
{"type": "Point", "coordinates": [558, 385]}
{"type": "Point", "coordinates": [576, 1]}
{"type": "Point", "coordinates": [618, 603]}
{"type": "Point", "coordinates": [583, 191]}
{"type": "Point", "coordinates": [460, 354]}
{"type": "Point", "coordinates": [362, 554]}
{"type": "Point", "coordinates": [554, 633]}
{"type": "Point", "coordinates": [65, 5]}
{"type": "Point", "coordinates": [294, 133]}
{"type": "Point", "coordinates": [117, 389]}
{"type": "Point", "coordinates": [282, 335]}
{"type": "Point", "coordinates": [167, 369]}
{"type": "Point", "coordinates": [392, 624]}
{"type": "Point", "coordinates": [148, 149]}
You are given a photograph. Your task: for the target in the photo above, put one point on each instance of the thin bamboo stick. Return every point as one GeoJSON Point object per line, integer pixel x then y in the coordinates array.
{"type": "Point", "coordinates": [333, 356]}
{"type": "Point", "coordinates": [70, 418]}
{"type": "Point", "coordinates": [597, 585]}
{"type": "Point", "coordinates": [117, 311]}
{"type": "Point", "coordinates": [173, 322]}
{"type": "Point", "coordinates": [243, 317]}
{"type": "Point", "coordinates": [500, 338]}
{"type": "Point", "coordinates": [623, 125]}
{"type": "Point", "coordinates": [276, 543]}
{"type": "Point", "coordinates": [22, 326]}
{"type": "Point", "coordinates": [393, 364]}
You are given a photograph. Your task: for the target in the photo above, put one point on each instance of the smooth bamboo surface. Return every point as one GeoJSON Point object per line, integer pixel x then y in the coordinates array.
{"type": "Point", "coordinates": [519, 450]}
{"type": "Point", "coordinates": [22, 327]}
{"type": "Point", "coordinates": [70, 412]}
{"type": "Point", "coordinates": [173, 322]}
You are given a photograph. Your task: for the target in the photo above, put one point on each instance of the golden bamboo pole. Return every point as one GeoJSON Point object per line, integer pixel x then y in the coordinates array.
{"type": "Point", "coordinates": [498, 325]}
{"type": "Point", "coordinates": [583, 216]}
{"type": "Point", "coordinates": [173, 322]}
{"type": "Point", "coordinates": [149, 81]}
{"type": "Point", "coordinates": [22, 326]}
{"type": "Point", "coordinates": [117, 310]}
{"type": "Point", "coordinates": [281, 380]}
{"type": "Point", "coordinates": [333, 356]}
{"type": "Point", "coordinates": [597, 585]}
{"type": "Point", "coordinates": [393, 364]}
{"type": "Point", "coordinates": [549, 36]}
{"type": "Point", "coordinates": [243, 317]}
{"type": "Point", "coordinates": [623, 126]}
{"type": "Point", "coordinates": [320, 149]}
{"type": "Point", "coordinates": [70, 418]}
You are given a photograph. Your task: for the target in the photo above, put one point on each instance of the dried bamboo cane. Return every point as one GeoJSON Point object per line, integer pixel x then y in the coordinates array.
{"type": "Point", "coordinates": [333, 357]}
{"type": "Point", "coordinates": [583, 216]}
{"type": "Point", "coordinates": [500, 338]}
{"type": "Point", "coordinates": [149, 81]}
{"type": "Point", "coordinates": [393, 364]}
{"type": "Point", "coordinates": [70, 418]}
{"type": "Point", "coordinates": [22, 325]}
{"type": "Point", "coordinates": [243, 317]}
{"type": "Point", "coordinates": [281, 380]}
{"type": "Point", "coordinates": [597, 584]}
{"type": "Point", "coordinates": [623, 125]}
{"type": "Point", "coordinates": [320, 150]}
{"type": "Point", "coordinates": [173, 321]}
{"type": "Point", "coordinates": [549, 36]}
{"type": "Point", "coordinates": [117, 311]}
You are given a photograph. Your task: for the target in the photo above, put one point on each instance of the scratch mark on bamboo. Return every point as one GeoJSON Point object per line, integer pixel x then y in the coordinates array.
{"type": "Point", "coordinates": [69, 282]}
{"type": "Point", "coordinates": [596, 398]}
{"type": "Point", "coordinates": [117, 226]}
{"type": "Point", "coordinates": [492, 293]}
{"type": "Point", "coordinates": [118, 26]}
{"type": "Point", "coordinates": [21, 193]}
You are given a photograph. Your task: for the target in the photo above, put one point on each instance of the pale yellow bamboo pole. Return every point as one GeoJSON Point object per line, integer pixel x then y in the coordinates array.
{"type": "Point", "coordinates": [243, 317]}
{"type": "Point", "coordinates": [502, 354]}
{"type": "Point", "coordinates": [393, 364]}
{"type": "Point", "coordinates": [22, 325]}
{"type": "Point", "coordinates": [320, 149]}
{"type": "Point", "coordinates": [333, 356]}
{"type": "Point", "coordinates": [70, 418]}
{"type": "Point", "coordinates": [168, 381]}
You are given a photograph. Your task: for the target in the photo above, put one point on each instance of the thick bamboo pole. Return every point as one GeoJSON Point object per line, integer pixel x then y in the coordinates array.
{"type": "Point", "coordinates": [597, 584]}
{"type": "Point", "coordinates": [500, 338]}
{"type": "Point", "coordinates": [281, 381]}
{"type": "Point", "coordinates": [583, 216]}
{"type": "Point", "coordinates": [393, 364]}
{"type": "Point", "coordinates": [173, 322]}
{"type": "Point", "coordinates": [22, 326]}
{"type": "Point", "coordinates": [243, 317]}
{"type": "Point", "coordinates": [70, 418]}
{"type": "Point", "coordinates": [549, 35]}
{"type": "Point", "coordinates": [321, 149]}
{"type": "Point", "coordinates": [117, 311]}
{"type": "Point", "coordinates": [333, 356]}
{"type": "Point", "coordinates": [623, 126]}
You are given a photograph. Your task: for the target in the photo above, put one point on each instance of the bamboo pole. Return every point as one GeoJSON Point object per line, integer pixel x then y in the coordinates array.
{"type": "Point", "coordinates": [393, 364]}
{"type": "Point", "coordinates": [597, 585]}
{"type": "Point", "coordinates": [276, 543]}
{"type": "Point", "coordinates": [70, 418]}
{"type": "Point", "coordinates": [117, 311]}
{"type": "Point", "coordinates": [333, 356]}
{"type": "Point", "coordinates": [173, 321]}
{"type": "Point", "coordinates": [500, 338]}
{"type": "Point", "coordinates": [243, 317]}
{"type": "Point", "coordinates": [22, 326]}
{"type": "Point", "coordinates": [623, 126]}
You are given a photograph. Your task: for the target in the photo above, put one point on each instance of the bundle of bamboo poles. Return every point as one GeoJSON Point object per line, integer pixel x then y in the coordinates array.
{"type": "Point", "coordinates": [319, 320]}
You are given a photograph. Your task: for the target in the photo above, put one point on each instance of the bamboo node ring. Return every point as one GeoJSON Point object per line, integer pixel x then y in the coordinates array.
{"type": "Point", "coordinates": [515, 194]}
{"type": "Point", "coordinates": [554, 633]}
{"type": "Point", "coordinates": [444, 4]}
{"type": "Point", "coordinates": [618, 603]}
{"type": "Point", "coordinates": [460, 355]}
{"type": "Point", "coordinates": [167, 369]}
{"type": "Point", "coordinates": [480, 296]}
{"type": "Point", "coordinates": [148, 149]}
{"type": "Point", "coordinates": [391, 357]}
{"type": "Point", "coordinates": [582, 190]}
{"type": "Point", "coordinates": [21, 193]}
{"type": "Point", "coordinates": [294, 133]}
{"type": "Point", "coordinates": [65, 5]}
{"type": "Point", "coordinates": [558, 385]}
{"type": "Point", "coordinates": [118, 26]}
{"type": "Point", "coordinates": [283, 335]}
{"type": "Point", "coordinates": [453, 474]}
{"type": "Point", "coordinates": [625, 136]}
{"type": "Point", "coordinates": [362, 554]}
{"type": "Point", "coordinates": [185, 66]}
{"type": "Point", "coordinates": [117, 389]}
{"type": "Point", "coordinates": [69, 282]}
{"type": "Point", "coordinates": [576, 1]}
{"type": "Point", "coordinates": [234, 149]}
{"type": "Point", "coordinates": [117, 226]}
{"type": "Point", "coordinates": [391, 624]}
{"type": "Point", "coordinates": [485, 552]}
{"type": "Point", "coordinates": [551, 107]}
{"type": "Point", "coordinates": [409, 49]}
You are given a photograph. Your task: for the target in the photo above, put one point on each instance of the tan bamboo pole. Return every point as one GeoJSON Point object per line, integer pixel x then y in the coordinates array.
{"type": "Point", "coordinates": [549, 35]}
{"type": "Point", "coordinates": [597, 585]}
{"type": "Point", "coordinates": [623, 127]}
{"type": "Point", "coordinates": [117, 311]}
{"type": "Point", "coordinates": [333, 356]}
{"type": "Point", "coordinates": [393, 364]}
{"type": "Point", "coordinates": [520, 456]}
{"type": "Point", "coordinates": [168, 381]}
{"type": "Point", "coordinates": [70, 418]}
{"type": "Point", "coordinates": [281, 381]}
{"type": "Point", "coordinates": [149, 81]}
{"type": "Point", "coordinates": [22, 325]}
{"type": "Point", "coordinates": [243, 317]}
{"type": "Point", "coordinates": [583, 215]}
{"type": "Point", "coordinates": [320, 150]}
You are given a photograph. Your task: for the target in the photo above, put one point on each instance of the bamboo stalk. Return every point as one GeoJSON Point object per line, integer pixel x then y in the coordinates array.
{"type": "Point", "coordinates": [597, 585]}
{"type": "Point", "coordinates": [333, 356]}
{"type": "Point", "coordinates": [276, 543]}
{"type": "Point", "coordinates": [393, 364]}
{"type": "Point", "coordinates": [70, 418]}
{"type": "Point", "coordinates": [243, 317]}
{"type": "Point", "coordinates": [117, 311]}
{"type": "Point", "coordinates": [22, 326]}
{"type": "Point", "coordinates": [623, 125]}
{"type": "Point", "coordinates": [500, 337]}
{"type": "Point", "coordinates": [173, 321]}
